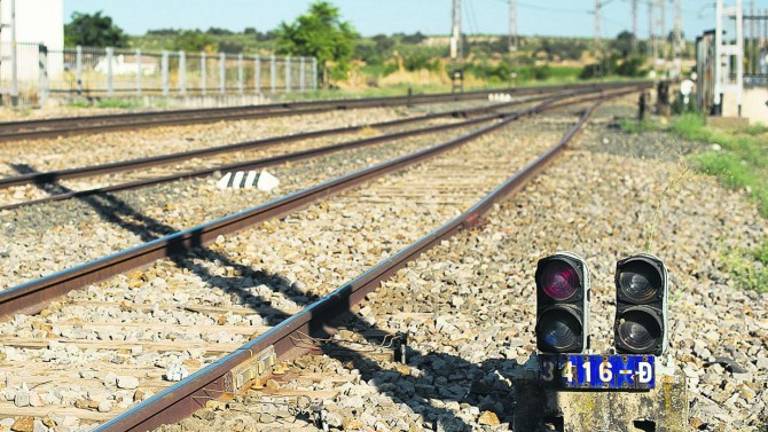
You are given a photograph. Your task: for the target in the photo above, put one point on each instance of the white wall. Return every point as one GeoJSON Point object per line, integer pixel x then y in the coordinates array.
{"type": "Point", "coordinates": [753, 105]}
{"type": "Point", "coordinates": [37, 21]}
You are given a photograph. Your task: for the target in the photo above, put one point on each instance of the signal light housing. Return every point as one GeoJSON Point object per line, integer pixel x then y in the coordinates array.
{"type": "Point", "coordinates": [562, 304]}
{"type": "Point", "coordinates": [640, 326]}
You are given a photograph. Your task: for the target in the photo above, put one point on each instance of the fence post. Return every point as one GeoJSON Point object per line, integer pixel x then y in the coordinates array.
{"type": "Point", "coordinates": [42, 57]}
{"type": "Point", "coordinates": [257, 75]}
{"type": "Point", "coordinates": [302, 78]}
{"type": "Point", "coordinates": [273, 73]}
{"type": "Point", "coordinates": [139, 71]}
{"type": "Point", "coordinates": [314, 73]}
{"type": "Point", "coordinates": [110, 58]}
{"type": "Point", "coordinates": [287, 74]}
{"type": "Point", "coordinates": [223, 73]}
{"type": "Point", "coordinates": [14, 58]}
{"type": "Point", "coordinates": [240, 74]}
{"type": "Point", "coordinates": [164, 73]}
{"type": "Point", "coordinates": [79, 69]}
{"type": "Point", "coordinates": [182, 72]}
{"type": "Point", "coordinates": [203, 73]}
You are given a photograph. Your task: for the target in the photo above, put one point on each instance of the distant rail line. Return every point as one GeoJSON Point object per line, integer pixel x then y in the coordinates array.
{"type": "Point", "coordinates": [64, 126]}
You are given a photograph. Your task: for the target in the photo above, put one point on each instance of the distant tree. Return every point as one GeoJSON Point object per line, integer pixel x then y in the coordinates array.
{"type": "Point", "coordinates": [230, 47]}
{"type": "Point", "coordinates": [94, 30]}
{"type": "Point", "coordinates": [250, 31]}
{"type": "Point", "coordinates": [623, 44]}
{"type": "Point", "coordinates": [320, 33]}
{"type": "Point", "coordinates": [383, 42]}
{"type": "Point", "coordinates": [194, 40]}
{"type": "Point", "coordinates": [414, 39]}
{"type": "Point", "coordinates": [218, 31]}
{"type": "Point", "coordinates": [368, 53]}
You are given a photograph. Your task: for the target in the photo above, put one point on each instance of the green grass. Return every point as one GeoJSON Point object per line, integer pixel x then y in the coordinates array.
{"type": "Point", "coordinates": [740, 163]}
{"type": "Point", "coordinates": [633, 126]}
{"type": "Point", "coordinates": [113, 103]}
{"type": "Point", "coordinates": [749, 267]}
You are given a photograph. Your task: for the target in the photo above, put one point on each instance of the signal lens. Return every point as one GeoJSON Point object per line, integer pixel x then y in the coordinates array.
{"type": "Point", "coordinates": [639, 330]}
{"type": "Point", "coordinates": [559, 331]}
{"type": "Point", "coordinates": [559, 280]}
{"type": "Point", "coordinates": [639, 281]}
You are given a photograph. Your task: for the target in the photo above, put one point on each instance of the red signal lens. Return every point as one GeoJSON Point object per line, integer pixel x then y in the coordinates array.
{"type": "Point", "coordinates": [559, 280]}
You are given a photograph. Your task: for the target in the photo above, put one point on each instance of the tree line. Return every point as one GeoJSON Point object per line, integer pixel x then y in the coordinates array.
{"type": "Point", "coordinates": [322, 33]}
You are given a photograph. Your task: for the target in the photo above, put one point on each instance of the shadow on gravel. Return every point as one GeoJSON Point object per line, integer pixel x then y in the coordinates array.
{"type": "Point", "coordinates": [444, 383]}
{"type": "Point", "coordinates": [115, 211]}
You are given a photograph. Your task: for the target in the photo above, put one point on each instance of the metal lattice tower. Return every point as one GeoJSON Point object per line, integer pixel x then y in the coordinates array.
{"type": "Point", "coordinates": [729, 54]}
{"type": "Point", "coordinates": [456, 48]}
{"type": "Point", "coordinates": [652, 48]}
{"type": "Point", "coordinates": [596, 30]}
{"type": "Point", "coordinates": [635, 33]}
{"type": "Point", "coordinates": [678, 43]}
{"type": "Point", "coordinates": [662, 26]}
{"type": "Point", "coordinates": [512, 25]}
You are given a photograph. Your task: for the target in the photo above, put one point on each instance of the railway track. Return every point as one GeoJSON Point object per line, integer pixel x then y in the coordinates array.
{"type": "Point", "coordinates": [202, 163]}
{"type": "Point", "coordinates": [298, 332]}
{"type": "Point", "coordinates": [65, 126]}
{"type": "Point", "coordinates": [129, 312]}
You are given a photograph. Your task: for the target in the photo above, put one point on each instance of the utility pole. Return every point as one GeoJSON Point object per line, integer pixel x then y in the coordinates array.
{"type": "Point", "coordinates": [663, 31]}
{"type": "Point", "coordinates": [14, 59]}
{"type": "Point", "coordinates": [512, 25]}
{"type": "Point", "coordinates": [596, 42]}
{"type": "Point", "coordinates": [652, 48]}
{"type": "Point", "coordinates": [679, 43]}
{"type": "Point", "coordinates": [456, 53]}
{"type": "Point", "coordinates": [635, 34]}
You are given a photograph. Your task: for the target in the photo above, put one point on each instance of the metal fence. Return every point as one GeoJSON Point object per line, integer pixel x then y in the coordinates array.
{"type": "Point", "coordinates": [756, 47]}
{"type": "Point", "coordinates": [112, 72]}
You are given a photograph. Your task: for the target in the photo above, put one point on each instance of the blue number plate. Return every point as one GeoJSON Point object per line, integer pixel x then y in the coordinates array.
{"type": "Point", "coordinates": [598, 372]}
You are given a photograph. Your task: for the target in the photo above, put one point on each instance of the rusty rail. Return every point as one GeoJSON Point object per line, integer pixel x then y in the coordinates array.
{"type": "Point", "coordinates": [164, 159]}
{"type": "Point", "coordinates": [64, 126]}
{"type": "Point", "coordinates": [33, 295]}
{"type": "Point", "coordinates": [182, 399]}
{"type": "Point", "coordinates": [269, 161]}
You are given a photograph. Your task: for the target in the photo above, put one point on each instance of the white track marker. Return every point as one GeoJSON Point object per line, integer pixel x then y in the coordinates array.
{"type": "Point", "coordinates": [267, 182]}
{"type": "Point", "coordinates": [224, 181]}
{"type": "Point", "coordinates": [250, 179]}
{"type": "Point", "coordinates": [264, 181]}
{"type": "Point", "coordinates": [237, 181]}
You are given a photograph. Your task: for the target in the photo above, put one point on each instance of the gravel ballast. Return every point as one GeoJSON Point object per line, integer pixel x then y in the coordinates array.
{"type": "Point", "coordinates": [159, 324]}
{"type": "Point", "coordinates": [469, 304]}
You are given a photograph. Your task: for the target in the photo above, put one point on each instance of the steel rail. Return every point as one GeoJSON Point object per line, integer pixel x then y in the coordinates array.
{"type": "Point", "coordinates": [31, 296]}
{"type": "Point", "coordinates": [182, 399]}
{"type": "Point", "coordinates": [62, 126]}
{"type": "Point", "coordinates": [264, 162]}
{"type": "Point", "coordinates": [131, 164]}
{"type": "Point", "coordinates": [254, 163]}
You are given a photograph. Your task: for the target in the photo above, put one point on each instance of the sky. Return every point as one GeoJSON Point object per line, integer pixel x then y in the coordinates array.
{"type": "Point", "coordinates": [535, 17]}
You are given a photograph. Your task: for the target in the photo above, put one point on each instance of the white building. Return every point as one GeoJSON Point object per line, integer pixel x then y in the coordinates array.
{"type": "Point", "coordinates": [37, 22]}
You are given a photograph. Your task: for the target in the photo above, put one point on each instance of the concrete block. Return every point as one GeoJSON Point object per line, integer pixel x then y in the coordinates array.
{"type": "Point", "coordinates": [663, 409]}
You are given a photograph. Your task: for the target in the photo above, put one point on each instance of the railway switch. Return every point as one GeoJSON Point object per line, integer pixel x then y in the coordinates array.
{"type": "Point", "coordinates": [640, 326]}
{"type": "Point", "coordinates": [562, 304]}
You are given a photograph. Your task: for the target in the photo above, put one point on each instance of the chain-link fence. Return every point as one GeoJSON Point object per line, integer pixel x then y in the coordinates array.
{"type": "Point", "coordinates": [112, 72]}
